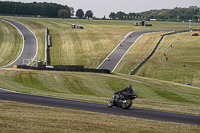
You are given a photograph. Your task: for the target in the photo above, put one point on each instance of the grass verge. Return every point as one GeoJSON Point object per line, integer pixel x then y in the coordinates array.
{"type": "Point", "coordinates": [18, 117]}
{"type": "Point", "coordinates": [152, 94]}
{"type": "Point", "coordinates": [178, 52]}
{"type": "Point", "coordinates": [10, 43]}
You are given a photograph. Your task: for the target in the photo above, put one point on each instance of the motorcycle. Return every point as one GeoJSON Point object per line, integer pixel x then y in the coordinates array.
{"type": "Point", "coordinates": [119, 100]}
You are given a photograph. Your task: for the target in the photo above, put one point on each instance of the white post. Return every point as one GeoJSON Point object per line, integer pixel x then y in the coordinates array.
{"type": "Point", "coordinates": [177, 17]}
{"type": "Point", "coordinates": [189, 25]}
{"type": "Point", "coordinates": [36, 62]}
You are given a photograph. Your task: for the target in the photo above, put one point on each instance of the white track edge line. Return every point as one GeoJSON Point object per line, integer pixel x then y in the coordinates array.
{"type": "Point", "coordinates": [23, 42]}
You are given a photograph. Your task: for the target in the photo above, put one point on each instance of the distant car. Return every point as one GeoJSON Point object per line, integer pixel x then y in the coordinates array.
{"type": "Point", "coordinates": [136, 24]}
{"type": "Point", "coordinates": [80, 27]}
{"type": "Point", "coordinates": [190, 84]}
{"type": "Point", "coordinates": [194, 34]}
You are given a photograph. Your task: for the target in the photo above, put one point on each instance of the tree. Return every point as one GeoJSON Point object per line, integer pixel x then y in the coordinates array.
{"type": "Point", "coordinates": [63, 13]}
{"type": "Point", "coordinates": [71, 10]}
{"type": "Point", "coordinates": [132, 15]}
{"type": "Point", "coordinates": [44, 9]}
{"type": "Point", "coordinates": [79, 13]}
{"type": "Point", "coordinates": [112, 15]}
{"type": "Point", "coordinates": [89, 14]}
{"type": "Point", "coordinates": [120, 15]}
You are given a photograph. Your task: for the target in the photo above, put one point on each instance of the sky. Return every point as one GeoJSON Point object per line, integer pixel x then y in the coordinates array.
{"type": "Point", "coordinates": [105, 7]}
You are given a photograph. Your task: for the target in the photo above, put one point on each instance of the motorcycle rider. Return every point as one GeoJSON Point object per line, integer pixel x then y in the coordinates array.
{"type": "Point", "coordinates": [128, 90]}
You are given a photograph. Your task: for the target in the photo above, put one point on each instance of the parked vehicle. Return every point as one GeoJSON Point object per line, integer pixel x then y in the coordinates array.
{"type": "Point", "coordinates": [194, 34]}
{"type": "Point", "coordinates": [136, 24]}
{"type": "Point", "coordinates": [119, 100]}
{"type": "Point", "coordinates": [190, 84]}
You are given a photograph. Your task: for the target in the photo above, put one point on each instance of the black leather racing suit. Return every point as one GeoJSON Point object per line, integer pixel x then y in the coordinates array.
{"type": "Point", "coordinates": [128, 90]}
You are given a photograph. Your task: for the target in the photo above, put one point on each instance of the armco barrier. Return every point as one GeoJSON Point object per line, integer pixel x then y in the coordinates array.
{"type": "Point", "coordinates": [144, 60]}
{"type": "Point", "coordinates": [61, 66]}
{"type": "Point", "coordinates": [64, 68]}
{"type": "Point", "coordinates": [47, 45]}
{"type": "Point", "coordinates": [152, 52]}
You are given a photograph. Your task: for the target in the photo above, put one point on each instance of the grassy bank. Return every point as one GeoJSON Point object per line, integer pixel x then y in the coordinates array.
{"type": "Point", "coordinates": [89, 46]}
{"type": "Point", "coordinates": [139, 51]}
{"type": "Point", "coordinates": [183, 51]}
{"type": "Point", "coordinates": [10, 43]}
{"type": "Point", "coordinates": [18, 117]}
{"type": "Point", "coordinates": [152, 94]}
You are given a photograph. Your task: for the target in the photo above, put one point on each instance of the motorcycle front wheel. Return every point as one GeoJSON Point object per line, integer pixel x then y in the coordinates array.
{"type": "Point", "coordinates": [127, 104]}
{"type": "Point", "coordinates": [110, 104]}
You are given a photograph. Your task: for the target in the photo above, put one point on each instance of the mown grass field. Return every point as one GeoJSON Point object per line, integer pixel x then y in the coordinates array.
{"type": "Point", "coordinates": [10, 43]}
{"type": "Point", "coordinates": [152, 94]}
{"type": "Point", "coordinates": [183, 51]}
{"type": "Point", "coordinates": [89, 47]}
{"type": "Point", "coordinates": [18, 117]}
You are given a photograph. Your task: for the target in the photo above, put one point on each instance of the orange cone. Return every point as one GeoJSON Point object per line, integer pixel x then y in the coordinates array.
{"type": "Point", "coordinates": [14, 66]}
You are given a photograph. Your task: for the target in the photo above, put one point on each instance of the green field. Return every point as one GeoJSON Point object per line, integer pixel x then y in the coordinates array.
{"type": "Point", "coordinates": [18, 118]}
{"type": "Point", "coordinates": [183, 51]}
{"type": "Point", "coordinates": [158, 84]}
{"type": "Point", "coordinates": [87, 47]}
{"type": "Point", "coordinates": [152, 94]}
{"type": "Point", "coordinates": [10, 43]}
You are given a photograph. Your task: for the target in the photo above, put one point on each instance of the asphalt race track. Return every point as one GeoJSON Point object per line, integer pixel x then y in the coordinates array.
{"type": "Point", "coordinates": [29, 50]}
{"type": "Point", "coordinates": [119, 52]}
{"type": "Point", "coordinates": [101, 108]}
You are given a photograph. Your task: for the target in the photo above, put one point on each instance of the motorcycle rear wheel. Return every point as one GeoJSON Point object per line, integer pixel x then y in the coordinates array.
{"type": "Point", "coordinates": [128, 104]}
{"type": "Point", "coordinates": [110, 104]}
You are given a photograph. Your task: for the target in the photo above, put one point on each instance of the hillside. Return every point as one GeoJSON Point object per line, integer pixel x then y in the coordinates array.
{"type": "Point", "coordinates": [89, 47]}
{"type": "Point", "coordinates": [183, 51]}
{"type": "Point", "coordinates": [152, 94]}
{"type": "Point", "coordinates": [10, 43]}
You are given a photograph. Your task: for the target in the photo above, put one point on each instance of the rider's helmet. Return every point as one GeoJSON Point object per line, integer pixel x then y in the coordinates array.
{"type": "Point", "coordinates": [129, 86]}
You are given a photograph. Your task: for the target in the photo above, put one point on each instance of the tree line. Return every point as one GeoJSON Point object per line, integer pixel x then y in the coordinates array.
{"type": "Point", "coordinates": [41, 9]}
{"type": "Point", "coordinates": [192, 13]}
{"type": "Point", "coordinates": [57, 10]}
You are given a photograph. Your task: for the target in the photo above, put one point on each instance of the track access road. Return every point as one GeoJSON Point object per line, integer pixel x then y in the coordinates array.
{"type": "Point", "coordinates": [29, 49]}
{"type": "Point", "coordinates": [100, 108]}
{"type": "Point", "coordinates": [118, 53]}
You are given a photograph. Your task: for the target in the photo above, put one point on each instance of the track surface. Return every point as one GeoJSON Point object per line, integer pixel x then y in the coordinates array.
{"type": "Point", "coordinates": [119, 52]}
{"type": "Point", "coordinates": [101, 108]}
{"type": "Point", "coordinates": [30, 50]}
{"type": "Point", "coordinates": [29, 44]}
